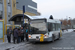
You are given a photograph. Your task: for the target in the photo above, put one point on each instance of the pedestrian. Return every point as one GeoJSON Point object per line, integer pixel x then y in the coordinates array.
{"type": "Point", "coordinates": [15, 35]}
{"type": "Point", "coordinates": [9, 32]}
{"type": "Point", "coordinates": [27, 34]}
{"type": "Point", "coordinates": [22, 34]}
{"type": "Point", "coordinates": [19, 35]}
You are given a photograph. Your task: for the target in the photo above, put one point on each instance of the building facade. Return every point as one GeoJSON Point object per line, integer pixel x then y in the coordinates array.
{"type": "Point", "coordinates": [9, 8]}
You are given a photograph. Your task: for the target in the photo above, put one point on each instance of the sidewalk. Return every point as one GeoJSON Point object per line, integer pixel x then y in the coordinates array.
{"type": "Point", "coordinates": [5, 40]}
{"type": "Point", "coordinates": [67, 31]}
{"type": "Point", "coordinates": [10, 45]}
{"type": "Point", "coordinates": [6, 45]}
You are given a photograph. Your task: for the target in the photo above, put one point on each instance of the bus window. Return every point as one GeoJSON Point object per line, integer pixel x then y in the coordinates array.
{"type": "Point", "coordinates": [50, 27]}
{"type": "Point", "coordinates": [53, 27]}
{"type": "Point", "coordinates": [57, 27]}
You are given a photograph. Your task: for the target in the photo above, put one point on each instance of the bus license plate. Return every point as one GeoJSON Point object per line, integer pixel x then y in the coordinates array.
{"type": "Point", "coordinates": [37, 39]}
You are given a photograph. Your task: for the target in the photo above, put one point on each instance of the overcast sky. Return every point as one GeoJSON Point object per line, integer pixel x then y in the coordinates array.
{"type": "Point", "coordinates": [58, 8]}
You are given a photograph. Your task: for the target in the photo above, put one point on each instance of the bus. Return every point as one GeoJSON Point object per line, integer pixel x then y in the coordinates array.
{"type": "Point", "coordinates": [44, 30]}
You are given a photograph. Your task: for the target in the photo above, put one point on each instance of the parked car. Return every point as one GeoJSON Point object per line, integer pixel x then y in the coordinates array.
{"type": "Point", "coordinates": [74, 30]}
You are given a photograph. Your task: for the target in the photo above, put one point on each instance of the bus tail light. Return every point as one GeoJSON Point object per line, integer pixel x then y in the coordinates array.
{"type": "Point", "coordinates": [46, 36]}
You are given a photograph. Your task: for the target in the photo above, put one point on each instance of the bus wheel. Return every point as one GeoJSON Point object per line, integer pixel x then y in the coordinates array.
{"type": "Point", "coordinates": [59, 36]}
{"type": "Point", "coordinates": [52, 37]}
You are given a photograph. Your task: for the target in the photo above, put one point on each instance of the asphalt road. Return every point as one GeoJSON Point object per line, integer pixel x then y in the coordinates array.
{"type": "Point", "coordinates": [67, 42]}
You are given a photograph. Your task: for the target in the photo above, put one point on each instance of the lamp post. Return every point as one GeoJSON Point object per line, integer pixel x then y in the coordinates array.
{"type": "Point", "coordinates": [70, 22]}
{"type": "Point", "coordinates": [69, 18]}
{"type": "Point", "coordinates": [67, 22]}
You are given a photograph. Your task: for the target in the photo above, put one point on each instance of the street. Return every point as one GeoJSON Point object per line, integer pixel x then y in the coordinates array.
{"type": "Point", "coordinates": [67, 42]}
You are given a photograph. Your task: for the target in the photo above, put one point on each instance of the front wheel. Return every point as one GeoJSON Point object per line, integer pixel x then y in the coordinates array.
{"type": "Point", "coordinates": [59, 36]}
{"type": "Point", "coordinates": [33, 42]}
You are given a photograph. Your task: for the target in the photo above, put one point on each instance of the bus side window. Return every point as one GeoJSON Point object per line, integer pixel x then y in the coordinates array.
{"type": "Point", "coordinates": [53, 26]}
{"type": "Point", "coordinates": [49, 27]}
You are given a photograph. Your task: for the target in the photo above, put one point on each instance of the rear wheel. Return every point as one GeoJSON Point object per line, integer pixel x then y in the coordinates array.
{"type": "Point", "coordinates": [52, 37]}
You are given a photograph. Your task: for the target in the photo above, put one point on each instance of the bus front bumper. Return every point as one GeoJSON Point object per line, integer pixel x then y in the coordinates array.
{"type": "Point", "coordinates": [45, 39]}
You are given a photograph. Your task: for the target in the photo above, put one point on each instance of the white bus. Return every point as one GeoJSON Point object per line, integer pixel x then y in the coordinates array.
{"type": "Point", "coordinates": [44, 30]}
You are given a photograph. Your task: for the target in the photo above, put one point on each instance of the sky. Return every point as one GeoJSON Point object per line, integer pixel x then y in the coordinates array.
{"type": "Point", "coordinates": [60, 9]}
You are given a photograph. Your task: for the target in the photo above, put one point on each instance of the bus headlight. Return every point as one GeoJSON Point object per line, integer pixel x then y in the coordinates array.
{"type": "Point", "coordinates": [29, 36]}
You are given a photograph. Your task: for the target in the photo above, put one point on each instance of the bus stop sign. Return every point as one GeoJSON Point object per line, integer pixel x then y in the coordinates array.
{"type": "Point", "coordinates": [23, 9]}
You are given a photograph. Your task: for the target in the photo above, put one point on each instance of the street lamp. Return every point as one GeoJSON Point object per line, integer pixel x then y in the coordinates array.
{"type": "Point", "coordinates": [69, 18]}
{"type": "Point", "coordinates": [70, 22]}
{"type": "Point", "coordinates": [67, 22]}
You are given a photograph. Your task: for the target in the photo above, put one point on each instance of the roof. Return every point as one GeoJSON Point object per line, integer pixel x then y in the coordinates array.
{"type": "Point", "coordinates": [13, 18]}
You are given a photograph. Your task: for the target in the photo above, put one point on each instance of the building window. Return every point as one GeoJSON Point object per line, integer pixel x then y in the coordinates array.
{"type": "Point", "coordinates": [9, 22]}
{"type": "Point", "coordinates": [9, 11]}
{"type": "Point", "coordinates": [0, 14]}
{"type": "Point", "coordinates": [8, 2]}
{"type": "Point", "coordinates": [21, 19]}
{"type": "Point", "coordinates": [18, 19]}
{"type": "Point", "coordinates": [9, 14]}
{"type": "Point", "coordinates": [32, 7]}
{"type": "Point", "coordinates": [1, 11]}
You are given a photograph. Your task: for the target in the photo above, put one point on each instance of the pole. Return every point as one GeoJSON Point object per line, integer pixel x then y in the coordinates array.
{"type": "Point", "coordinates": [23, 14]}
{"type": "Point", "coordinates": [23, 20]}
{"type": "Point", "coordinates": [70, 22]}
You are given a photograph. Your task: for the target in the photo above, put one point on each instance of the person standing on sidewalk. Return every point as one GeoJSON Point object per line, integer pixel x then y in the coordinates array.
{"type": "Point", "coordinates": [22, 34]}
{"type": "Point", "coordinates": [15, 35]}
{"type": "Point", "coordinates": [19, 36]}
{"type": "Point", "coordinates": [9, 32]}
{"type": "Point", "coordinates": [27, 34]}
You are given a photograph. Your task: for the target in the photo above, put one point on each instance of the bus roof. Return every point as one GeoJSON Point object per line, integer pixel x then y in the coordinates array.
{"type": "Point", "coordinates": [53, 21]}
{"type": "Point", "coordinates": [48, 20]}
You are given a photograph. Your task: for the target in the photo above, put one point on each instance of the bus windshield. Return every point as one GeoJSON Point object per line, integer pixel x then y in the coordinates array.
{"type": "Point", "coordinates": [38, 27]}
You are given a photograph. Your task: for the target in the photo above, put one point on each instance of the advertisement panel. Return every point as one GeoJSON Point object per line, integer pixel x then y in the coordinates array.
{"type": "Point", "coordinates": [1, 29]}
